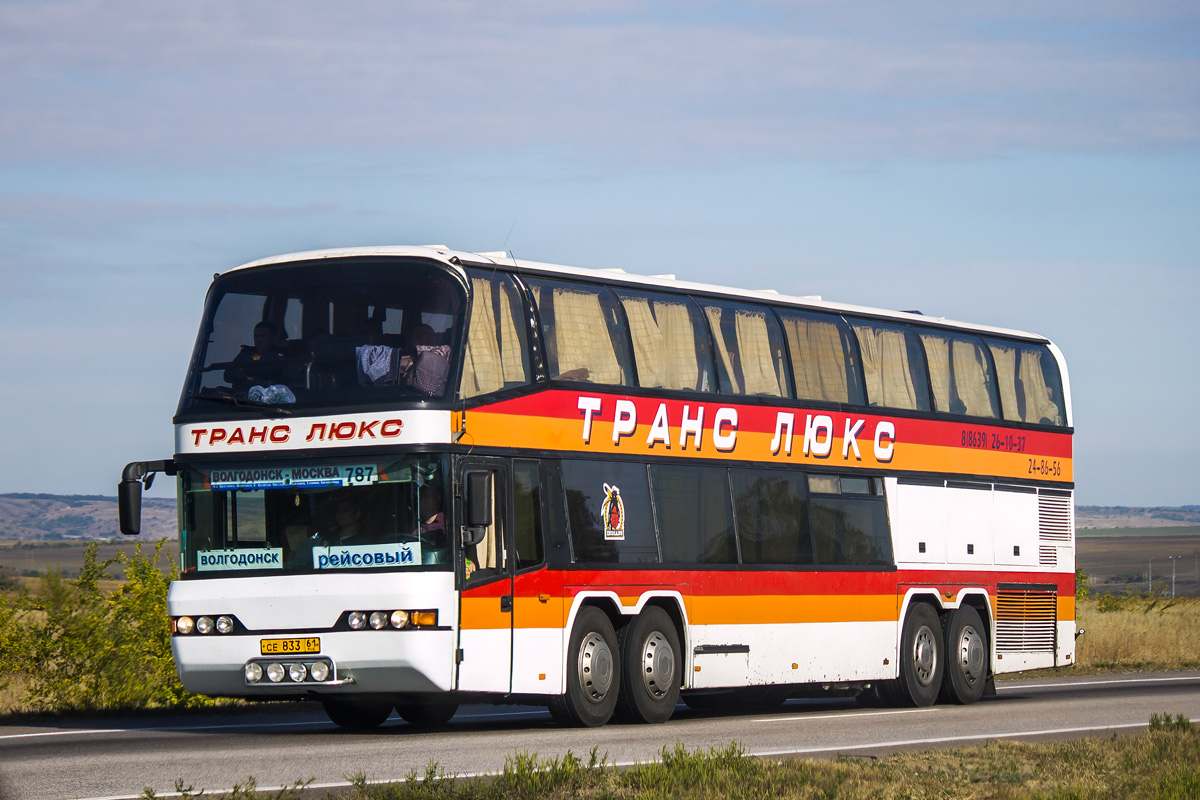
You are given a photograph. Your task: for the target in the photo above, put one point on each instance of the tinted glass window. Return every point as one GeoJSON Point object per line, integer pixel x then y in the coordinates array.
{"type": "Point", "coordinates": [1030, 386]}
{"type": "Point", "coordinates": [695, 520]}
{"type": "Point", "coordinates": [496, 356]}
{"type": "Point", "coordinates": [750, 356]}
{"type": "Point", "coordinates": [961, 373]}
{"type": "Point", "coordinates": [849, 521]}
{"type": "Point", "coordinates": [893, 366]}
{"type": "Point", "coordinates": [311, 335]}
{"type": "Point", "coordinates": [823, 357]}
{"type": "Point", "coordinates": [670, 342]}
{"type": "Point", "coordinates": [527, 512]}
{"type": "Point", "coordinates": [608, 511]}
{"type": "Point", "coordinates": [772, 516]}
{"type": "Point", "coordinates": [583, 332]}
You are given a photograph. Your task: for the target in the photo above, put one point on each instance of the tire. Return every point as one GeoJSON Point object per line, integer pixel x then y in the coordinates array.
{"type": "Point", "coordinates": [922, 658]}
{"type": "Point", "coordinates": [356, 714]}
{"type": "Point", "coordinates": [427, 712]}
{"type": "Point", "coordinates": [593, 673]}
{"type": "Point", "coordinates": [967, 657]}
{"type": "Point", "coordinates": [650, 668]}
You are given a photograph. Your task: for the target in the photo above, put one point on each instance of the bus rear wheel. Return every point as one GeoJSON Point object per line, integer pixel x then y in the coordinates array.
{"type": "Point", "coordinates": [650, 667]}
{"type": "Point", "coordinates": [427, 712]}
{"type": "Point", "coordinates": [967, 657]}
{"type": "Point", "coordinates": [922, 657]}
{"type": "Point", "coordinates": [593, 674]}
{"type": "Point", "coordinates": [356, 714]}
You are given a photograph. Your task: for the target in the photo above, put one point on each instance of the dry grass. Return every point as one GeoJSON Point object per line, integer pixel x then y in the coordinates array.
{"type": "Point", "coordinates": [1127, 633]}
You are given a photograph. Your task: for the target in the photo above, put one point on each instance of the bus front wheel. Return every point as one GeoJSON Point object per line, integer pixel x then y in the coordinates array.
{"type": "Point", "coordinates": [355, 714]}
{"type": "Point", "coordinates": [922, 657]}
{"type": "Point", "coordinates": [966, 657]}
{"type": "Point", "coordinates": [427, 712]}
{"type": "Point", "coordinates": [650, 667]}
{"type": "Point", "coordinates": [593, 674]}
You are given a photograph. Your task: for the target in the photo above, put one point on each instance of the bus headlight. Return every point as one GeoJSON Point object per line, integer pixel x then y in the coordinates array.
{"type": "Point", "coordinates": [204, 625]}
{"type": "Point", "coordinates": [254, 672]}
{"type": "Point", "coordinates": [399, 619]}
{"type": "Point", "coordinates": [319, 670]}
{"type": "Point", "coordinates": [184, 625]}
{"type": "Point", "coordinates": [357, 620]}
{"type": "Point", "coordinates": [297, 672]}
{"type": "Point", "coordinates": [378, 620]}
{"type": "Point", "coordinates": [224, 624]}
{"type": "Point", "coordinates": [275, 672]}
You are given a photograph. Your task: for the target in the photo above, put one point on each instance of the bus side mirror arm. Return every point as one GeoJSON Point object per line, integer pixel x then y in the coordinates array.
{"type": "Point", "coordinates": [136, 476]}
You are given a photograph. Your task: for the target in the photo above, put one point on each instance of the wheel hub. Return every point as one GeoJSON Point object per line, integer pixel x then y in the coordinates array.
{"type": "Point", "coordinates": [924, 656]}
{"type": "Point", "coordinates": [658, 665]}
{"type": "Point", "coordinates": [972, 655]}
{"type": "Point", "coordinates": [595, 667]}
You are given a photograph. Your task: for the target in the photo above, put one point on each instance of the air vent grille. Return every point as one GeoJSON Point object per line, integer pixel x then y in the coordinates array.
{"type": "Point", "coordinates": [1056, 521]}
{"type": "Point", "coordinates": [1026, 621]}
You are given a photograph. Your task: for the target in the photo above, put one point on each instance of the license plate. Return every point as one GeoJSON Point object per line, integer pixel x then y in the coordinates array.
{"type": "Point", "coordinates": [281, 647]}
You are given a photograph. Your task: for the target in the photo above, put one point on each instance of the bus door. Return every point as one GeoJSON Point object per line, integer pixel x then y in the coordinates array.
{"type": "Point", "coordinates": [484, 571]}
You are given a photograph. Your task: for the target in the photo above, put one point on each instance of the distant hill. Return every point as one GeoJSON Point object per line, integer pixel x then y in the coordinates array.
{"type": "Point", "coordinates": [1123, 517]}
{"type": "Point", "coordinates": [66, 517]}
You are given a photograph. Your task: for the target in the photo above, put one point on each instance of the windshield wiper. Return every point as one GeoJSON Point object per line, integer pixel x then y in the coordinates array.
{"type": "Point", "coordinates": [242, 405]}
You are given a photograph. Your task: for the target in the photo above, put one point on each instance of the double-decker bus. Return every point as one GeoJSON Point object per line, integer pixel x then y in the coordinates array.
{"type": "Point", "coordinates": [411, 477]}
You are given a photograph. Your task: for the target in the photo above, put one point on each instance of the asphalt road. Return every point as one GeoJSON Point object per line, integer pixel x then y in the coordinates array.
{"type": "Point", "coordinates": [113, 758]}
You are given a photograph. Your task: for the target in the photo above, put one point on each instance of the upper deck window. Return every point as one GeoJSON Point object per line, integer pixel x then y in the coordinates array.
{"type": "Point", "coordinates": [893, 366]}
{"type": "Point", "coordinates": [583, 332]}
{"type": "Point", "coordinates": [1030, 385]}
{"type": "Point", "coordinates": [670, 342]}
{"type": "Point", "coordinates": [497, 352]}
{"type": "Point", "coordinates": [328, 333]}
{"type": "Point", "coordinates": [750, 349]}
{"type": "Point", "coordinates": [823, 357]}
{"type": "Point", "coordinates": [961, 373]}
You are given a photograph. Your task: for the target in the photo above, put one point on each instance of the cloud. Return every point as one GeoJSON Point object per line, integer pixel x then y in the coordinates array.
{"type": "Point", "coordinates": [214, 83]}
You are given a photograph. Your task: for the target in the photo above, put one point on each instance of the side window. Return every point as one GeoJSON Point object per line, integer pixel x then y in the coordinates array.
{"type": "Point", "coordinates": [772, 516]}
{"type": "Point", "coordinates": [961, 373]}
{"type": "Point", "coordinates": [849, 520]}
{"type": "Point", "coordinates": [823, 357]}
{"type": "Point", "coordinates": [695, 520]}
{"type": "Point", "coordinates": [893, 365]}
{"type": "Point", "coordinates": [497, 352]}
{"type": "Point", "coordinates": [1030, 385]}
{"type": "Point", "coordinates": [608, 511]}
{"type": "Point", "coordinates": [670, 342]}
{"type": "Point", "coordinates": [527, 513]}
{"type": "Point", "coordinates": [583, 332]}
{"type": "Point", "coordinates": [750, 355]}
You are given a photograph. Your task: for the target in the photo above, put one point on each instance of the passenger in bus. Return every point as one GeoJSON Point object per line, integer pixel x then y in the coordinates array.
{"type": "Point", "coordinates": [259, 364]}
{"type": "Point", "coordinates": [431, 529]}
{"type": "Point", "coordinates": [428, 368]}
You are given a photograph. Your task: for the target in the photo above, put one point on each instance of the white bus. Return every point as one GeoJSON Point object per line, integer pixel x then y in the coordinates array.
{"type": "Point", "coordinates": [411, 477]}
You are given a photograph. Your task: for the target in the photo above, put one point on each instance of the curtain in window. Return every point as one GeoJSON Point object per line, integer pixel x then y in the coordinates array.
{"type": "Point", "coordinates": [885, 366]}
{"type": "Point", "coordinates": [495, 356]}
{"type": "Point", "coordinates": [579, 336]}
{"type": "Point", "coordinates": [664, 343]}
{"type": "Point", "coordinates": [1038, 405]}
{"type": "Point", "coordinates": [960, 374]}
{"type": "Point", "coordinates": [1024, 393]}
{"type": "Point", "coordinates": [819, 359]}
{"type": "Point", "coordinates": [752, 364]}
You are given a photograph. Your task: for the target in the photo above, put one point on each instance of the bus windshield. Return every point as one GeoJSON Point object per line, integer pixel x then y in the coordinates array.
{"type": "Point", "coordinates": [324, 334]}
{"type": "Point", "coordinates": [348, 514]}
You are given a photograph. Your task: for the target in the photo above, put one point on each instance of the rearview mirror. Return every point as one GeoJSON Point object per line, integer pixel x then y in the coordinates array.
{"type": "Point", "coordinates": [137, 475]}
{"type": "Point", "coordinates": [479, 500]}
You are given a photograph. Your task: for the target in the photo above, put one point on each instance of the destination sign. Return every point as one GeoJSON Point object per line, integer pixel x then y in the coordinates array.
{"type": "Point", "coordinates": [308, 477]}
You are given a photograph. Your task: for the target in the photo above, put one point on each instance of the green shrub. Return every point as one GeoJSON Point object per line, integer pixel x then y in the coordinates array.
{"type": "Point", "coordinates": [75, 646]}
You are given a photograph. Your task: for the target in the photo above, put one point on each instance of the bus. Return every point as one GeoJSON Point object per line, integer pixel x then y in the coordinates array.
{"type": "Point", "coordinates": [411, 478]}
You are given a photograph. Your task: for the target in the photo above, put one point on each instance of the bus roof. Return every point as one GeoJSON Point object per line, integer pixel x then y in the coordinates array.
{"type": "Point", "coordinates": [458, 259]}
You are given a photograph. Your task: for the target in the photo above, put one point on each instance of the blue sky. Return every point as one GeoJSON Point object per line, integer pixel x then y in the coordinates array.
{"type": "Point", "coordinates": [1029, 165]}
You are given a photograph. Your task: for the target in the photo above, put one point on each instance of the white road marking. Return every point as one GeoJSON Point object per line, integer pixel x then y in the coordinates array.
{"type": "Point", "coordinates": [1173, 679]}
{"type": "Point", "coordinates": [849, 714]}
